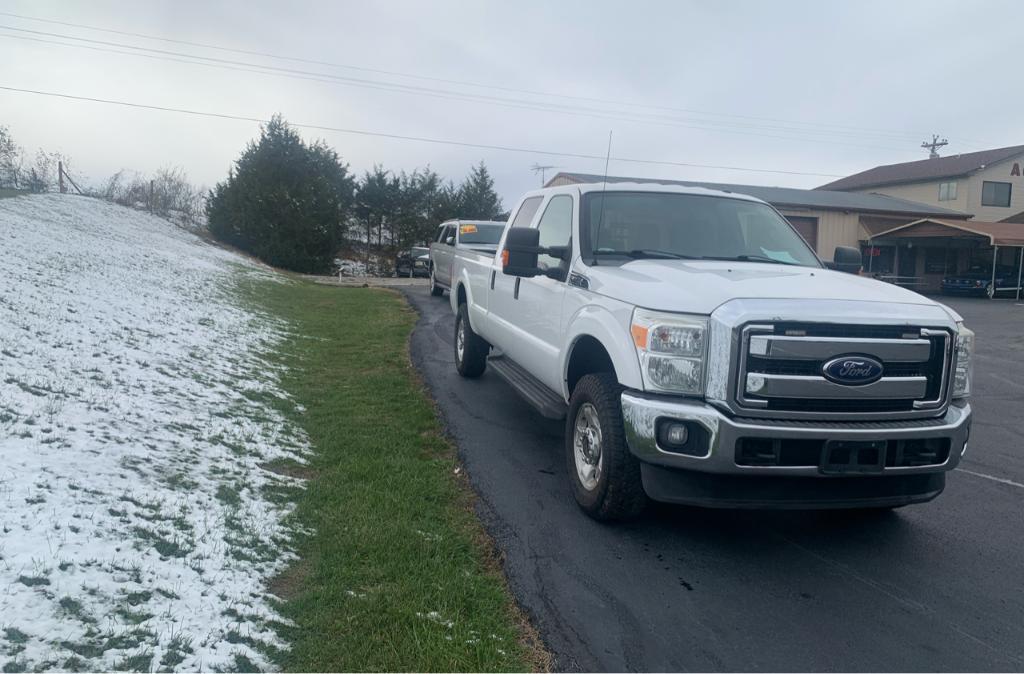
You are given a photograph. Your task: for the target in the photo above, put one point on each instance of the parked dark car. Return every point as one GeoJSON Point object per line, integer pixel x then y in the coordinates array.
{"type": "Point", "coordinates": [413, 262]}
{"type": "Point", "coordinates": [978, 281]}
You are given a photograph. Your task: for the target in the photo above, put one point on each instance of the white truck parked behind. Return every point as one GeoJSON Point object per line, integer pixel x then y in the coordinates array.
{"type": "Point", "coordinates": [453, 235]}
{"type": "Point", "coordinates": [701, 353]}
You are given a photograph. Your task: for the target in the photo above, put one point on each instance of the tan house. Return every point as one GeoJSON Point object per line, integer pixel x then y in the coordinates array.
{"type": "Point", "coordinates": [987, 184]}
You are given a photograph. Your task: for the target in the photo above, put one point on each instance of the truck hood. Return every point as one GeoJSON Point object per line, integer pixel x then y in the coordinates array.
{"type": "Point", "coordinates": [701, 286]}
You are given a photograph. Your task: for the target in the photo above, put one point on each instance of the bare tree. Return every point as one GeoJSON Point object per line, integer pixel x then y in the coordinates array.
{"type": "Point", "coordinates": [12, 158]}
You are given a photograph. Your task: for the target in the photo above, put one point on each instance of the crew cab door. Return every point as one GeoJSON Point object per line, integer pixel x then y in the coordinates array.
{"type": "Point", "coordinates": [527, 312]}
{"type": "Point", "coordinates": [502, 301]}
{"type": "Point", "coordinates": [539, 307]}
{"type": "Point", "coordinates": [443, 255]}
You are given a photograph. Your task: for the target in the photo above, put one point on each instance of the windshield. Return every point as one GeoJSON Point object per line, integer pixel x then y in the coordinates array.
{"type": "Point", "coordinates": [477, 233]}
{"type": "Point", "coordinates": [688, 226]}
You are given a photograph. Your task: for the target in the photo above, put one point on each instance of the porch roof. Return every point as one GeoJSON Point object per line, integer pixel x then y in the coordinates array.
{"type": "Point", "coordinates": [996, 233]}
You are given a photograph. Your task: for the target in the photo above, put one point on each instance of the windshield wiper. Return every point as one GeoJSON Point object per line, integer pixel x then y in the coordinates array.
{"type": "Point", "coordinates": [648, 254]}
{"type": "Point", "coordinates": [750, 258]}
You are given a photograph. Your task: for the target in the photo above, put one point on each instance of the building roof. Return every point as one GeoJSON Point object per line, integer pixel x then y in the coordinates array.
{"type": "Point", "coordinates": [782, 197]}
{"type": "Point", "coordinates": [997, 233]}
{"type": "Point", "coordinates": [925, 169]}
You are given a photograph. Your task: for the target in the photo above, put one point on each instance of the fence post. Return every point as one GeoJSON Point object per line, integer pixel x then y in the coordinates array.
{"type": "Point", "coordinates": [60, 176]}
{"type": "Point", "coordinates": [151, 196]}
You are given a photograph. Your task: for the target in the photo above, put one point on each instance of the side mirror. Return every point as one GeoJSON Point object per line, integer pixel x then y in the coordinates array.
{"type": "Point", "coordinates": [846, 259]}
{"type": "Point", "coordinates": [450, 240]}
{"type": "Point", "coordinates": [561, 252]}
{"type": "Point", "coordinates": [521, 250]}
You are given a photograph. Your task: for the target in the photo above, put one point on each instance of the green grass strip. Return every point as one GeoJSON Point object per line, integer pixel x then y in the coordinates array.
{"type": "Point", "coordinates": [397, 574]}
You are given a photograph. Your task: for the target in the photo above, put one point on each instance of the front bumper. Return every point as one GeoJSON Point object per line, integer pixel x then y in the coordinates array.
{"type": "Point", "coordinates": [642, 412]}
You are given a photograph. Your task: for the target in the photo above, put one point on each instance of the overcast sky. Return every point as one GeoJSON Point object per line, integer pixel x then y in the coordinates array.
{"type": "Point", "coordinates": [804, 87]}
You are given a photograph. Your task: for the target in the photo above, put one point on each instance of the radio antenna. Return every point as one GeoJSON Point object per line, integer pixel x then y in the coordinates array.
{"type": "Point", "coordinates": [604, 187]}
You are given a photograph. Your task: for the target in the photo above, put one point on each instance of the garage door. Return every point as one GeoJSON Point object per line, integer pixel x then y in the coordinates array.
{"type": "Point", "coordinates": [808, 228]}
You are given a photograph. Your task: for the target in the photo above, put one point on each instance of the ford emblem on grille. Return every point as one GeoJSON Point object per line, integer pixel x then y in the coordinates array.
{"type": "Point", "coordinates": [852, 370]}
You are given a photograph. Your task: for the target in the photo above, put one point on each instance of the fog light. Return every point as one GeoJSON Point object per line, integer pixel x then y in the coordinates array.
{"type": "Point", "coordinates": [682, 437]}
{"type": "Point", "coordinates": [676, 434]}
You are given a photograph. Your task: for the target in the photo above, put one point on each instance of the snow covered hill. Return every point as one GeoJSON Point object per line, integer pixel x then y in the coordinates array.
{"type": "Point", "coordinates": [137, 527]}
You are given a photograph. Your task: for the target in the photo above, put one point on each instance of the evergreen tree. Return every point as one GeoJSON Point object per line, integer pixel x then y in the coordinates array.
{"type": "Point", "coordinates": [477, 198]}
{"type": "Point", "coordinates": [376, 200]}
{"type": "Point", "coordinates": [284, 200]}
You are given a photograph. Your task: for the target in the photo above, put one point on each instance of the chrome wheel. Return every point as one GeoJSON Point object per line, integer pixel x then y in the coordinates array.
{"type": "Point", "coordinates": [460, 341]}
{"type": "Point", "coordinates": [587, 446]}
{"type": "Point", "coordinates": [433, 286]}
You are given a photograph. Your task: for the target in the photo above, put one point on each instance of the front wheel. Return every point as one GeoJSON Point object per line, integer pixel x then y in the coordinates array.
{"type": "Point", "coordinates": [470, 348]}
{"type": "Point", "coordinates": [435, 289]}
{"type": "Point", "coordinates": [605, 476]}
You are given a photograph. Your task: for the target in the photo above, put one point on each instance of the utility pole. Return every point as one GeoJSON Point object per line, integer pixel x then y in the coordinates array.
{"type": "Point", "coordinates": [933, 146]}
{"type": "Point", "coordinates": [542, 170]}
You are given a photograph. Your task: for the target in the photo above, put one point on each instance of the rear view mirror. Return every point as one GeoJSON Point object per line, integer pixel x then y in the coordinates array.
{"type": "Point", "coordinates": [450, 240]}
{"type": "Point", "coordinates": [521, 250]}
{"type": "Point", "coordinates": [846, 259]}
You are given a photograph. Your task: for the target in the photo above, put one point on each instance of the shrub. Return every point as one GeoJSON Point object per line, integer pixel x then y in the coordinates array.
{"type": "Point", "coordinates": [284, 201]}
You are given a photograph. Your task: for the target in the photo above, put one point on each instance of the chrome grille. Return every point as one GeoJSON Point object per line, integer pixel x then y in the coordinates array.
{"type": "Point", "coordinates": [781, 369]}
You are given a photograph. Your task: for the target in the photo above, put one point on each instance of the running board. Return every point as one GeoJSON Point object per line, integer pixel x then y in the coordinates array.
{"type": "Point", "coordinates": [548, 403]}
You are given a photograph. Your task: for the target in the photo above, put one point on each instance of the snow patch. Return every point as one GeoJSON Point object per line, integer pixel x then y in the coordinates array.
{"type": "Point", "coordinates": [136, 405]}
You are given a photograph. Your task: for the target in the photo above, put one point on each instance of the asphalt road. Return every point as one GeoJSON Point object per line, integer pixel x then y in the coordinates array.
{"type": "Point", "coordinates": [936, 587]}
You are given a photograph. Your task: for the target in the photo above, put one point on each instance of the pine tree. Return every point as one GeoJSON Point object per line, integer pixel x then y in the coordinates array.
{"type": "Point", "coordinates": [284, 200]}
{"type": "Point", "coordinates": [477, 198]}
{"type": "Point", "coordinates": [376, 200]}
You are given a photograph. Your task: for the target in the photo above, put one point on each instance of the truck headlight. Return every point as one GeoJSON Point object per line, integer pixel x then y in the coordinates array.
{"type": "Point", "coordinates": [672, 350]}
{"type": "Point", "coordinates": [964, 372]}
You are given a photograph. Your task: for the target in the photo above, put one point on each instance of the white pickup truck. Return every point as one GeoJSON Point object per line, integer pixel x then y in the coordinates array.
{"type": "Point", "coordinates": [453, 235]}
{"type": "Point", "coordinates": [701, 353]}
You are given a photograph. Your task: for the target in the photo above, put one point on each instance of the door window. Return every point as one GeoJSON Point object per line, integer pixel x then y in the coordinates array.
{"type": "Point", "coordinates": [526, 212]}
{"type": "Point", "coordinates": [555, 228]}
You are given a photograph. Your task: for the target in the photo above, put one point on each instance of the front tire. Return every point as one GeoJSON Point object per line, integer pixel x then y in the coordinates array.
{"type": "Point", "coordinates": [470, 348]}
{"type": "Point", "coordinates": [435, 289]}
{"type": "Point", "coordinates": [604, 474]}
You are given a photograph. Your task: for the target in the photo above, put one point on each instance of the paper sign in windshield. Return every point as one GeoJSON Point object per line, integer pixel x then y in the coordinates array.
{"type": "Point", "coordinates": [780, 255]}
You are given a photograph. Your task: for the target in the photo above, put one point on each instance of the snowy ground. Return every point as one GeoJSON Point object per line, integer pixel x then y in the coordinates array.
{"type": "Point", "coordinates": [137, 526]}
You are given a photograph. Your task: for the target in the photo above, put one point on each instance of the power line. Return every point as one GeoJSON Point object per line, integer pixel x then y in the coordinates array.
{"type": "Point", "coordinates": [420, 139]}
{"type": "Point", "coordinates": [291, 73]}
{"type": "Point", "coordinates": [891, 134]}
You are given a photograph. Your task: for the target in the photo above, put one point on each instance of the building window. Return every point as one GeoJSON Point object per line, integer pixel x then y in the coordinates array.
{"type": "Point", "coordinates": [947, 191]}
{"type": "Point", "coordinates": [995, 194]}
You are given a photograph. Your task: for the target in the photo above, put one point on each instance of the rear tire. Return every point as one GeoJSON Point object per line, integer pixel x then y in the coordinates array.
{"type": "Point", "coordinates": [435, 289]}
{"type": "Point", "coordinates": [604, 474]}
{"type": "Point", "coordinates": [470, 348]}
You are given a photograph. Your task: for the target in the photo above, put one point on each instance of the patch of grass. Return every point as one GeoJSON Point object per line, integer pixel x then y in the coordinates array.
{"type": "Point", "coordinates": [18, 665]}
{"type": "Point", "coordinates": [165, 547]}
{"type": "Point", "coordinates": [33, 581]}
{"type": "Point", "coordinates": [73, 608]}
{"type": "Point", "coordinates": [135, 663]}
{"type": "Point", "coordinates": [381, 470]}
{"type": "Point", "coordinates": [15, 636]}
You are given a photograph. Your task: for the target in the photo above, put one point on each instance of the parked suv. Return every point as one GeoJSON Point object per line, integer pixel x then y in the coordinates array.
{"type": "Point", "coordinates": [701, 353]}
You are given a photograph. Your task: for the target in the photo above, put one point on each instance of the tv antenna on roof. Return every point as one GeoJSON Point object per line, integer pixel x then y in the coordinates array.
{"type": "Point", "coordinates": [933, 146]}
{"type": "Point", "coordinates": [542, 170]}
